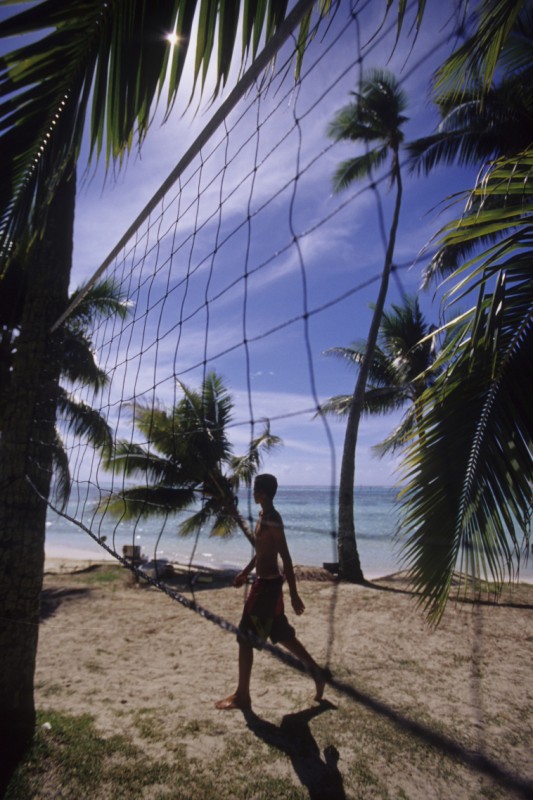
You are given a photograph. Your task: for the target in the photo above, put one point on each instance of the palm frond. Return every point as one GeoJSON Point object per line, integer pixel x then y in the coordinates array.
{"type": "Point", "coordinates": [338, 406]}
{"type": "Point", "coordinates": [194, 523]}
{"type": "Point", "coordinates": [146, 501]}
{"type": "Point", "coordinates": [223, 526]}
{"type": "Point", "coordinates": [399, 437]}
{"type": "Point", "coordinates": [61, 470]}
{"type": "Point", "coordinates": [374, 117]}
{"type": "Point", "coordinates": [187, 451]}
{"type": "Point", "coordinates": [203, 417]}
{"type": "Point", "coordinates": [402, 8]}
{"type": "Point", "coordinates": [132, 459]}
{"type": "Point", "coordinates": [478, 129]}
{"type": "Point", "coordinates": [505, 211]}
{"type": "Point", "coordinates": [85, 421]}
{"type": "Point", "coordinates": [497, 217]}
{"type": "Point", "coordinates": [380, 371]}
{"type": "Point", "coordinates": [245, 467]}
{"type": "Point", "coordinates": [167, 434]}
{"type": "Point", "coordinates": [353, 169]}
{"type": "Point", "coordinates": [107, 63]}
{"type": "Point", "coordinates": [467, 477]}
{"type": "Point", "coordinates": [102, 299]}
{"type": "Point", "coordinates": [468, 474]}
{"type": "Point", "coordinates": [78, 364]}
{"type": "Point", "coordinates": [385, 399]}
{"type": "Point", "coordinates": [479, 55]}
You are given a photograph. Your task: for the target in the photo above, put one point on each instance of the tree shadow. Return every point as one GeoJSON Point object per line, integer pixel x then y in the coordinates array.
{"type": "Point", "coordinates": [320, 776]}
{"type": "Point", "coordinates": [51, 599]}
{"type": "Point", "coordinates": [494, 600]}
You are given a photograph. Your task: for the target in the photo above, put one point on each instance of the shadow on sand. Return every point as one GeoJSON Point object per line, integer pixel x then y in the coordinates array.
{"type": "Point", "coordinates": [320, 775]}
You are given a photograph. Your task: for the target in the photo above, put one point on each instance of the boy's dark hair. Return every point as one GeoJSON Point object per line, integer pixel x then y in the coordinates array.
{"type": "Point", "coordinates": [266, 483]}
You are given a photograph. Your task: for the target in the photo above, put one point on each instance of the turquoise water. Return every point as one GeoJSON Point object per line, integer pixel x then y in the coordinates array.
{"type": "Point", "coordinates": [309, 515]}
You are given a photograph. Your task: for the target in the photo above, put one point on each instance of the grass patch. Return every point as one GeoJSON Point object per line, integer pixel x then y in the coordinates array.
{"type": "Point", "coordinates": [294, 758]}
{"type": "Point", "coordinates": [100, 576]}
{"type": "Point", "coordinates": [71, 760]}
{"type": "Point", "coordinates": [150, 724]}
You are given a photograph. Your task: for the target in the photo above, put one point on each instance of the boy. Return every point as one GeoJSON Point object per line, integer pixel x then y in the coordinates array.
{"type": "Point", "coordinates": [263, 615]}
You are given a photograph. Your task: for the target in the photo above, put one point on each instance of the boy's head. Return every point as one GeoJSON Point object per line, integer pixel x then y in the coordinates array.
{"type": "Point", "coordinates": [267, 484]}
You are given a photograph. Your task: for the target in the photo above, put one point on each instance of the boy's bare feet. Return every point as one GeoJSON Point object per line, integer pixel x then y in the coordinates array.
{"type": "Point", "coordinates": [234, 702]}
{"type": "Point", "coordinates": [321, 678]}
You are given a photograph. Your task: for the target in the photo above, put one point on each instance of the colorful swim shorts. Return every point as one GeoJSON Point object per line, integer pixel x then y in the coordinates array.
{"type": "Point", "coordinates": [263, 616]}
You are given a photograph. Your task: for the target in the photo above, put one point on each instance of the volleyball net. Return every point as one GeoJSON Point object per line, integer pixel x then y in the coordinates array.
{"type": "Point", "coordinates": [245, 266]}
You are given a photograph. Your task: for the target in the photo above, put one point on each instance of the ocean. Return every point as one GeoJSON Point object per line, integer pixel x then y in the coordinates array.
{"type": "Point", "coordinates": [309, 515]}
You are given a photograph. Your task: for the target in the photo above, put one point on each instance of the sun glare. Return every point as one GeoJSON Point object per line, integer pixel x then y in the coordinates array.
{"type": "Point", "coordinates": [172, 39]}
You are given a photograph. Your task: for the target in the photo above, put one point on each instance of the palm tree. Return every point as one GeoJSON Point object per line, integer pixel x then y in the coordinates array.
{"type": "Point", "coordinates": [400, 371]}
{"type": "Point", "coordinates": [374, 116]}
{"type": "Point", "coordinates": [188, 459]}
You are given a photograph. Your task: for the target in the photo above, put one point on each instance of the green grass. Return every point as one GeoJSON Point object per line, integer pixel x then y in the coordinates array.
{"type": "Point", "coordinates": [100, 576]}
{"type": "Point", "coordinates": [71, 759]}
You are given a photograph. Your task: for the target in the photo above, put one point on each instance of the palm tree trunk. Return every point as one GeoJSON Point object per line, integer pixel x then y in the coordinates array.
{"type": "Point", "coordinates": [349, 561]}
{"type": "Point", "coordinates": [243, 525]}
{"type": "Point", "coordinates": [27, 433]}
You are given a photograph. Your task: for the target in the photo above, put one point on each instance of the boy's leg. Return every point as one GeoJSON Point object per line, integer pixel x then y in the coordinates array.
{"type": "Point", "coordinates": [319, 675]}
{"type": "Point", "coordinates": [241, 698]}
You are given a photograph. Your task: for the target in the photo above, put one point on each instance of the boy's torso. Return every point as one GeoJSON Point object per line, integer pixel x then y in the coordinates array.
{"type": "Point", "coordinates": [267, 531]}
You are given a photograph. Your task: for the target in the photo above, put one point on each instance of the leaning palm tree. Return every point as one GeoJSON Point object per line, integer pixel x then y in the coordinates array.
{"type": "Point", "coordinates": [187, 460]}
{"type": "Point", "coordinates": [400, 371]}
{"type": "Point", "coordinates": [374, 117]}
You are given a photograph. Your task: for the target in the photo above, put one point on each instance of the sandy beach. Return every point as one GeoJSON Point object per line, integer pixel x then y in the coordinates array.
{"type": "Point", "coordinates": [410, 706]}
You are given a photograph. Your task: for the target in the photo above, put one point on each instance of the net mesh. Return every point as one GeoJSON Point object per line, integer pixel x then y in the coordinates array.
{"type": "Point", "coordinates": [226, 273]}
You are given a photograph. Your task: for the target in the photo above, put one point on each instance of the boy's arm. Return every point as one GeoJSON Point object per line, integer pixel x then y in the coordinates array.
{"type": "Point", "coordinates": [288, 569]}
{"type": "Point", "coordinates": [242, 576]}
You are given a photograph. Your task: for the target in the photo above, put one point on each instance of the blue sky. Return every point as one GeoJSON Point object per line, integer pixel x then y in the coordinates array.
{"type": "Point", "coordinates": [279, 374]}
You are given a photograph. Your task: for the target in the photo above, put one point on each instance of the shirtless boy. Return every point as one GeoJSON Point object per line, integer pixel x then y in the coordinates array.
{"type": "Point", "coordinates": [263, 615]}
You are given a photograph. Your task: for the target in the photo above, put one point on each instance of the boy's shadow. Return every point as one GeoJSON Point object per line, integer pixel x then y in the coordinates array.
{"type": "Point", "coordinates": [293, 736]}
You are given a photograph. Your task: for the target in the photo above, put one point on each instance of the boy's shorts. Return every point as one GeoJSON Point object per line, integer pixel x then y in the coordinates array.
{"type": "Point", "coordinates": [263, 616]}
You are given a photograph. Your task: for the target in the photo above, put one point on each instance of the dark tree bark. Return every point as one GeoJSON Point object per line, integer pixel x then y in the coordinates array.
{"type": "Point", "coordinates": [26, 441]}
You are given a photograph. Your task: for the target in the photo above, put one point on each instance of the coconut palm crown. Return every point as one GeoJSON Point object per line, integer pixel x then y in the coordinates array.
{"type": "Point", "coordinates": [399, 373]}
{"type": "Point", "coordinates": [187, 459]}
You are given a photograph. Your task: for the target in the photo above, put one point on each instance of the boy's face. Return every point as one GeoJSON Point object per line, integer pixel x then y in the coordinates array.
{"type": "Point", "coordinates": [259, 495]}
